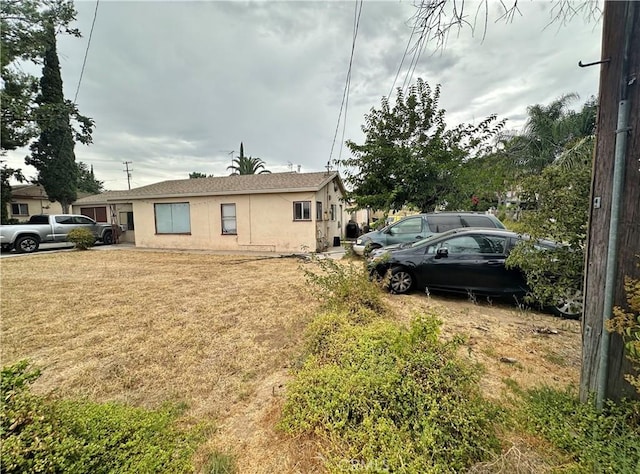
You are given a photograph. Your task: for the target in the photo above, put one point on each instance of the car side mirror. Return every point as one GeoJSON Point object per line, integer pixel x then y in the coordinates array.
{"type": "Point", "coordinates": [442, 252]}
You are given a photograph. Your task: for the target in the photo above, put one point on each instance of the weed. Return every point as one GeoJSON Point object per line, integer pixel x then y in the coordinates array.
{"type": "Point", "coordinates": [554, 358]}
{"type": "Point", "coordinates": [392, 397]}
{"type": "Point", "coordinates": [593, 441]}
{"type": "Point", "coordinates": [46, 435]}
{"type": "Point", "coordinates": [346, 287]}
{"type": "Point", "coordinates": [220, 464]}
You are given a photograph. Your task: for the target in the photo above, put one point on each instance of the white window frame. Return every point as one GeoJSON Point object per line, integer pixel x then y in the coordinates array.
{"type": "Point", "coordinates": [20, 209]}
{"type": "Point", "coordinates": [319, 211]}
{"type": "Point", "coordinates": [229, 224]}
{"type": "Point", "coordinates": [172, 218]}
{"type": "Point", "coordinates": [301, 210]}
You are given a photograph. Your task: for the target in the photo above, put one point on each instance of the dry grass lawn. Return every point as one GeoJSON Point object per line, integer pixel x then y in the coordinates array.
{"type": "Point", "coordinates": [219, 333]}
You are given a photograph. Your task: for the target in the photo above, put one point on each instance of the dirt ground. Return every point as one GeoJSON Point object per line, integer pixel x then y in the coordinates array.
{"type": "Point", "coordinates": [220, 334]}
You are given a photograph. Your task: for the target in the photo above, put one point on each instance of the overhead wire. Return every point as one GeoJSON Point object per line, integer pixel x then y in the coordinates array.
{"type": "Point", "coordinates": [404, 55]}
{"type": "Point", "coordinates": [86, 53]}
{"type": "Point", "coordinates": [345, 93]}
{"type": "Point", "coordinates": [346, 104]}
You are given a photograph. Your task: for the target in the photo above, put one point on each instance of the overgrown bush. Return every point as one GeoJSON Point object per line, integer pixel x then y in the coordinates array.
{"type": "Point", "coordinates": [606, 441]}
{"type": "Point", "coordinates": [560, 207]}
{"type": "Point", "coordinates": [45, 435]}
{"type": "Point", "coordinates": [83, 238]}
{"type": "Point", "coordinates": [627, 324]}
{"type": "Point", "coordinates": [390, 399]}
{"type": "Point", "coordinates": [345, 286]}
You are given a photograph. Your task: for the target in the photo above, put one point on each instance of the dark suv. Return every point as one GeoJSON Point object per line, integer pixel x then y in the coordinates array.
{"type": "Point", "coordinates": [420, 226]}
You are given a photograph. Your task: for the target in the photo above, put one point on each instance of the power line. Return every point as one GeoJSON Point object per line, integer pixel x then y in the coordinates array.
{"type": "Point", "coordinates": [345, 93]}
{"type": "Point", "coordinates": [86, 53]}
{"type": "Point", "coordinates": [404, 55]}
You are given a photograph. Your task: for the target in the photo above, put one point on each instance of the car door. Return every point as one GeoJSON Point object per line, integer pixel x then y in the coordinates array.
{"type": "Point", "coordinates": [61, 227]}
{"type": "Point", "coordinates": [410, 229]}
{"type": "Point", "coordinates": [85, 222]}
{"type": "Point", "coordinates": [470, 262]}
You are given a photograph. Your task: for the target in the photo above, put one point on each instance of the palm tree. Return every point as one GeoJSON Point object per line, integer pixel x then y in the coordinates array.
{"type": "Point", "coordinates": [247, 164]}
{"type": "Point", "coordinates": [550, 133]}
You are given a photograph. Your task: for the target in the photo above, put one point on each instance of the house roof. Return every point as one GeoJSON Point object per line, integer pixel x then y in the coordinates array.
{"type": "Point", "coordinates": [28, 190]}
{"type": "Point", "coordinates": [267, 183]}
{"type": "Point", "coordinates": [33, 191]}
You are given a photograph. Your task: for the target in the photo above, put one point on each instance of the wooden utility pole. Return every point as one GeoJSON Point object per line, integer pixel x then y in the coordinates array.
{"type": "Point", "coordinates": [613, 251]}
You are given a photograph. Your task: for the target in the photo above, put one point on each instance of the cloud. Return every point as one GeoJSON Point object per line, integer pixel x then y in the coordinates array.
{"type": "Point", "coordinates": [174, 87]}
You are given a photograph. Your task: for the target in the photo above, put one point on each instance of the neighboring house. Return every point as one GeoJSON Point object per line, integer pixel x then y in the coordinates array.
{"type": "Point", "coordinates": [277, 212]}
{"type": "Point", "coordinates": [109, 206]}
{"type": "Point", "coordinates": [29, 200]}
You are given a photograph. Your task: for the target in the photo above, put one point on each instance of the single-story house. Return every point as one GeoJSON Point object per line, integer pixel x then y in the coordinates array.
{"type": "Point", "coordinates": [111, 207]}
{"type": "Point", "coordinates": [28, 200]}
{"type": "Point", "coordinates": [276, 212]}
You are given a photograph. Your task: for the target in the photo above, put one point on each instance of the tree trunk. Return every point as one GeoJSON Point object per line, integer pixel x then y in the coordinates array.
{"type": "Point", "coordinates": [613, 85]}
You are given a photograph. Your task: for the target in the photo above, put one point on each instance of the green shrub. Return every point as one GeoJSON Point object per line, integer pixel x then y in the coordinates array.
{"type": "Point", "coordinates": [390, 398]}
{"type": "Point", "coordinates": [83, 238]}
{"type": "Point", "coordinates": [46, 435]}
{"type": "Point", "coordinates": [345, 286]}
{"type": "Point", "coordinates": [606, 441]}
{"type": "Point", "coordinates": [626, 322]}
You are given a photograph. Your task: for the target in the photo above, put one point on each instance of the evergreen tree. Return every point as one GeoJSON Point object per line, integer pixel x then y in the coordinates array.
{"type": "Point", "coordinates": [87, 181]}
{"type": "Point", "coordinates": [52, 154]}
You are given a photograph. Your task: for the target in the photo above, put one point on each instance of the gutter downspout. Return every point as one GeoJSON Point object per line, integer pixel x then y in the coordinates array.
{"type": "Point", "coordinates": [622, 131]}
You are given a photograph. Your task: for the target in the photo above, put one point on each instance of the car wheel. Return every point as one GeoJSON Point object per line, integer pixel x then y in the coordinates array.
{"type": "Point", "coordinates": [570, 305]}
{"type": "Point", "coordinates": [401, 280]}
{"type": "Point", "coordinates": [27, 244]}
{"type": "Point", "coordinates": [107, 238]}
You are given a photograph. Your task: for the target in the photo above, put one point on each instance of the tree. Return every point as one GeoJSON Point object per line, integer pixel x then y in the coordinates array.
{"type": "Point", "coordinates": [52, 154]}
{"type": "Point", "coordinates": [549, 131]}
{"type": "Point", "coordinates": [558, 211]}
{"type": "Point", "coordinates": [197, 174]}
{"type": "Point", "coordinates": [87, 181]}
{"type": "Point", "coordinates": [606, 262]}
{"type": "Point", "coordinates": [409, 157]}
{"type": "Point", "coordinates": [247, 165]}
{"type": "Point", "coordinates": [6, 174]}
{"type": "Point", "coordinates": [23, 37]}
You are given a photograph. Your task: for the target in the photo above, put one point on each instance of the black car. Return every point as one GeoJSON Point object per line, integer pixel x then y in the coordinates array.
{"type": "Point", "coordinates": [468, 260]}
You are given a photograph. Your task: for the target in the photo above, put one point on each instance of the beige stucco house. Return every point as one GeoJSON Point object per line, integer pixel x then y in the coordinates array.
{"type": "Point", "coordinates": [277, 212]}
{"type": "Point", "coordinates": [29, 200]}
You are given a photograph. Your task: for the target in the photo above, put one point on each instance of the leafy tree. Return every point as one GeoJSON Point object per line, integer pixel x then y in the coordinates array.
{"type": "Point", "coordinates": [24, 38]}
{"type": "Point", "coordinates": [52, 154]}
{"type": "Point", "coordinates": [197, 174]}
{"type": "Point", "coordinates": [247, 165]}
{"type": "Point", "coordinates": [87, 181]}
{"type": "Point", "coordinates": [559, 199]}
{"type": "Point", "coordinates": [6, 174]}
{"type": "Point", "coordinates": [409, 157]}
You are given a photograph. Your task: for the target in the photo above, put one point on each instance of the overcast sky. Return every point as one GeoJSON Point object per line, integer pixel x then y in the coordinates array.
{"type": "Point", "coordinates": [174, 87]}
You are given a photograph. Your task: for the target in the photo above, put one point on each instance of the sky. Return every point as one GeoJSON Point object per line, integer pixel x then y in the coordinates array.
{"type": "Point", "coordinates": [176, 86]}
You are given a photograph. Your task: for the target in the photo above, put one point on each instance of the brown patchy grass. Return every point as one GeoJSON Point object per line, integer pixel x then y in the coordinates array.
{"type": "Point", "coordinates": [219, 333]}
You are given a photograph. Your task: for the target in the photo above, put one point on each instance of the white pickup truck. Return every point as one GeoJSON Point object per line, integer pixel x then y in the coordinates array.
{"type": "Point", "coordinates": [27, 237]}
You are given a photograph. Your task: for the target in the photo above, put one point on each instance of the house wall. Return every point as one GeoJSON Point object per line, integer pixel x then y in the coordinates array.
{"type": "Point", "coordinates": [35, 206]}
{"type": "Point", "coordinates": [265, 223]}
{"type": "Point", "coordinates": [121, 209]}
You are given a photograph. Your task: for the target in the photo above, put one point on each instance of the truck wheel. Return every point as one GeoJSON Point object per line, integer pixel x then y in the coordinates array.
{"type": "Point", "coordinates": [27, 244]}
{"type": "Point", "coordinates": [107, 238]}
